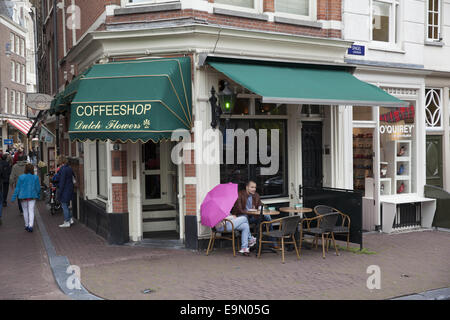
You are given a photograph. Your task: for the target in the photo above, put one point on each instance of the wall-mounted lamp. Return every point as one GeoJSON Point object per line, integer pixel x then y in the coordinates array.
{"type": "Point", "coordinates": [226, 98]}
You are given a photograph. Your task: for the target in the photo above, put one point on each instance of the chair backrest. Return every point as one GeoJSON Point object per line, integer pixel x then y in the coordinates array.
{"type": "Point", "coordinates": [321, 209]}
{"type": "Point", "coordinates": [289, 225]}
{"type": "Point", "coordinates": [328, 221]}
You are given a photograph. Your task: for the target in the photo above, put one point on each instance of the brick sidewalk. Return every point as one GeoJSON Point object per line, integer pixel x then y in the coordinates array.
{"type": "Point", "coordinates": [24, 268]}
{"type": "Point", "coordinates": [410, 263]}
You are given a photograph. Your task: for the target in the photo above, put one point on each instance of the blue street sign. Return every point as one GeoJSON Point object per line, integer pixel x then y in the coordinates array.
{"type": "Point", "coordinates": [357, 50]}
{"type": "Point", "coordinates": [9, 141]}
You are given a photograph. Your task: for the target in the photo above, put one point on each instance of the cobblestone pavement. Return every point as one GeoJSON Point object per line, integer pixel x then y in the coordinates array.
{"type": "Point", "coordinates": [409, 263]}
{"type": "Point", "coordinates": [24, 268]}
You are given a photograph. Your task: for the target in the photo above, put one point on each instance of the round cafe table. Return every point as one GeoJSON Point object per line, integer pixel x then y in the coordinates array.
{"type": "Point", "coordinates": [296, 210]}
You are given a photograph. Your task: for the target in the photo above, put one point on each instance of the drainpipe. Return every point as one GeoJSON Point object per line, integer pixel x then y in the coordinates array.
{"type": "Point", "coordinates": [55, 51]}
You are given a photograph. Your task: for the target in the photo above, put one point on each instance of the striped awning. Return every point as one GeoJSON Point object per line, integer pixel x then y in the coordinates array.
{"type": "Point", "coordinates": [23, 125]}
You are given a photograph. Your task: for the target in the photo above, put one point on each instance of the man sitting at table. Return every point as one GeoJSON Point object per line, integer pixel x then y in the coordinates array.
{"type": "Point", "coordinates": [249, 199]}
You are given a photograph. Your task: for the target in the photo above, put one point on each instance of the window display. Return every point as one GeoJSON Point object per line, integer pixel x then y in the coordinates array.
{"type": "Point", "coordinates": [362, 157]}
{"type": "Point", "coordinates": [397, 145]}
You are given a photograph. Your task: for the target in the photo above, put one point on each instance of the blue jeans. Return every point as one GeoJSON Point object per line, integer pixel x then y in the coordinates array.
{"type": "Point", "coordinates": [66, 211]}
{"type": "Point", "coordinates": [240, 224]}
{"type": "Point", "coordinates": [254, 219]}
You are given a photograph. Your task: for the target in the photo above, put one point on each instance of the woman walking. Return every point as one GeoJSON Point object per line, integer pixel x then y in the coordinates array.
{"type": "Point", "coordinates": [27, 190]}
{"type": "Point", "coordinates": [64, 180]}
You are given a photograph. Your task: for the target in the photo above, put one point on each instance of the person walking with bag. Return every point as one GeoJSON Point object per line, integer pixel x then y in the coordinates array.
{"type": "Point", "coordinates": [5, 172]}
{"type": "Point", "coordinates": [28, 190]}
{"type": "Point", "coordinates": [64, 180]}
{"type": "Point", "coordinates": [17, 170]}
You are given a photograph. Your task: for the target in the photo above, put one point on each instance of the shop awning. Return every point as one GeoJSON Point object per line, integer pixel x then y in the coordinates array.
{"type": "Point", "coordinates": [304, 84]}
{"type": "Point", "coordinates": [132, 100]}
{"type": "Point", "coordinates": [23, 126]}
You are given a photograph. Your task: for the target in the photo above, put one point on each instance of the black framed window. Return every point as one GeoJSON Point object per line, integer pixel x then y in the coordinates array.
{"type": "Point", "coordinates": [268, 186]}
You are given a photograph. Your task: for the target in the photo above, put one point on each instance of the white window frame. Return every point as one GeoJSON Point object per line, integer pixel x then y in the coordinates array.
{"type": "Point", "coordinates": [12, 94]}
{"type": "Point", "coordinates": [24, 107]}
{"type": "Point", "coordinates": [17, 44]}
{"type": "Point", "coordinates": [438, 113]}
{"type": "Point", "coordinates": [312, 12]}
{"type": "Point", "coordinates": [18, 102]}
{"type": "Point", "coordinates": [13, 71]}
{"type": "Point", "coordinates": [257, 7]}
{"type": "Point", "coordinates": [439, 22]}
{"type": "Point", "coordinates": [127, 3]}
{"type": "Point", "coordinates": [5, 110]}
{"type": "Point", "coordinates": [18, 72]}
{"type": "Point", "coordinates": [101, 168]}
{"type": "Point", "coordinates": [393, 24]}
{"type": "Point", "coordinates": [22, 73]}
{"type": "Point", "coordinates": [22, 47]}
{"type": "Point", "coordinates": [12, 42]}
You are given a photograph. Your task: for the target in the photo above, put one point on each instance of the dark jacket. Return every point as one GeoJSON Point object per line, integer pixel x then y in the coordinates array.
{"type": "Point", "coordinates": [241, 203]}
{"type": "Point", "coordinates": [5, 171]}
{"type": "Point", "coordinates": [64, 180]}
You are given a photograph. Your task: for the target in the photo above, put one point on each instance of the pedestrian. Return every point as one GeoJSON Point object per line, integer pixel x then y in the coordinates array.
{"type": "Point", "coordinates": [64, 180]}
{"type": "Point", "coordinates": [17, 155]}
{"type": "Point", "coordinates": [5, 172]}
{"type": "Point", "coordinates": [17, 170]}
{"type": "Point", "coordinates": [241, 224]}
{"type": "Point", "coordinates": [27, 190]}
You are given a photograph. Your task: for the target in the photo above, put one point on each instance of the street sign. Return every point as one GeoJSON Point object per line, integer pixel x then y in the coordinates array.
{"type": "Point", "coordinates": [9, 141]}
{"type": "Point", "coordinates": [38, 101]}
{"type": "Point", "coordinates": [357, 50]}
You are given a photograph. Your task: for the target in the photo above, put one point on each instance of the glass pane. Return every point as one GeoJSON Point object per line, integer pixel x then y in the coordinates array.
{"type": "Point", "coordinates": [152, 187]}
{"type": "Point", "coordinates": [362, 113]}
{"type": "Point", "coordinates": [300, 7]}
{"type": "Point", "coordinates": [102, 179]}
{"type": "Point", "coordinates": [270, 108]}
{"type": "Point", "coordinates": [380, 21]}
{"type": "Point", "coordinates": [152, 156]}
{"type": "Point", "coordinates": [238, 3]}
{"type": "Point", "coordinates": [242, 106]}
{"type": "Point", "coordinates": [362, 157]}
{"type": "Point", "coordinates": [239, 166]}
{"type": "Point", "coordinates": [397, 149]}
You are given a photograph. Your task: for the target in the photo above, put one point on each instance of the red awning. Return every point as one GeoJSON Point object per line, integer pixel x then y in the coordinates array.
{"type": "Point", "coordinates": [23, 125]}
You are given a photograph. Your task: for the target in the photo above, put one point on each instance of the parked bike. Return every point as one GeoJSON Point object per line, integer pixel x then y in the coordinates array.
{"type": "Point", "coordinates": [50, 195]}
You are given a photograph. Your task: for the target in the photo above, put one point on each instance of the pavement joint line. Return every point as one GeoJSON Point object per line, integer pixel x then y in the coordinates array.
{"type": "Point", "coordinates": [59, 266]}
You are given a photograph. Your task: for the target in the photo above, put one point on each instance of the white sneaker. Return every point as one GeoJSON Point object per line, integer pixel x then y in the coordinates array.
{"type": "Point", "coordinates": [244, 251]}
{"type": "Point", "coordinates": [66, 224]}
{"type": "Point", "coordinates": [71, 221]}
{"type": "Point", "coordinates": [251, 242]}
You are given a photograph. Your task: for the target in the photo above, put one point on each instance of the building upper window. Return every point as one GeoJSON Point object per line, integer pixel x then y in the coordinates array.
{"type": "Point", "coordinates": [238, 3]}
{"type": "Point", "coordinates": [5, 108]}
{"type": "Point", "coordinates": [13, 101]}
{"type": "Point", "coordinates": [299, 7]}
{"type": "Point", "coordinates": [13, 71]}
{"type": "Point", "coordinates": [434, 20]}
{"type": "Point", "coordinates": [12, 42]}
{"type": "Point", "coordinates": [384, 20]}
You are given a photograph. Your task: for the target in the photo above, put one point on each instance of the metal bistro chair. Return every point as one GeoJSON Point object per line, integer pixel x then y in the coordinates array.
{"type": "Point", "coordinates": [288, 227]}
{"type": "Point", "coordinates": [232, 235]}
{"type": "Point", "coordinates": [325, 224]}
{"type": "Point", "coordinates": [340, 228]}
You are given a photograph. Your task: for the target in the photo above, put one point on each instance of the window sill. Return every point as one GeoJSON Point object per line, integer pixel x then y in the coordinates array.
{"type": "Point", "coordinates": [434, 43]}
{"type": "Point", "coordinates": [147, 8]}
{"type": "Point", "coordinates": [241, 14]}
{"type": "Point", "coordinates": [298, 22]}
{"type": "Point", "coordinates": [388, 48]}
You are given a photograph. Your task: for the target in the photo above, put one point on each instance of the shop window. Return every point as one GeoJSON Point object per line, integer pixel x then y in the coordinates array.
{"type": "Point", "coordinates": [433, 108]}
{"type": "Point", "coordinates": [434, 20]}
{"type": "Point", "coordinates": [362, 113]}
{"type": "Point", "coordinates": [239, 168]}
{"type": "Point", "coordinates": [397, 150]}
{"type": "Point", "coordinates": [102, 189]}
{"type": "Point", "coordinates": [312, 110]}
{"type": "Point", "coordinates": [384, 20]}
{"type": "Point", "coordinates": [270, 108]}
{"type": "Point", "coordinates": [362, 157]}
{"type": "Point", "coordinates": [242, 106]}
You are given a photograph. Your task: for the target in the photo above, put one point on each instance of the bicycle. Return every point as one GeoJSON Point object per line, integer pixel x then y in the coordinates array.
{"type": "Point", "coordinates": [50, 195]}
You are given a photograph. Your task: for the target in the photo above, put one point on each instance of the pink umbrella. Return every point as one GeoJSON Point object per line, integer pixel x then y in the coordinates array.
{"type": "Point", "coordinates": [218, 203]}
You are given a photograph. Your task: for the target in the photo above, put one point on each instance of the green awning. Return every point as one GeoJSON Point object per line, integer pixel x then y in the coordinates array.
{"type": "Point", "coordinates": [304, 84]}
{"type": "Point", "coordinates": [56, 105]}
{"type": "Point", "coordinates": [132, 100]}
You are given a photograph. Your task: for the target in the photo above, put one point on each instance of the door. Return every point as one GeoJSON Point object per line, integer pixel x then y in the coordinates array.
{"type": "Point", "coordinates": [312, 154]}
{"type": "Point", "coordinates": [155, 173]}
{"type": "Point", "coordinates": [434, 160]}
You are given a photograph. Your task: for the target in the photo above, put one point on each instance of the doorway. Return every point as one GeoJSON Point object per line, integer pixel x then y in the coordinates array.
{"type": "Point", "coordinates": [312, 166]}
{"type": "Point", "coordinates": [159, 192]}
{"type": "Point", "coordinates": [434, 168]}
